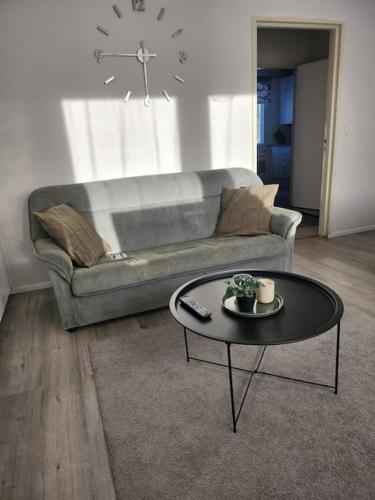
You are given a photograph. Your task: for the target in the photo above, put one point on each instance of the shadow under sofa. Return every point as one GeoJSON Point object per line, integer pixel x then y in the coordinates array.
{"type": "Point", "coordinates": [160, 228]}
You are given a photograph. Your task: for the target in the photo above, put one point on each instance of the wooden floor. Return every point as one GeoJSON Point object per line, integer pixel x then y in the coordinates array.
{"type": "Point", "coordinates": [308, 227]}
{"type": "Point", "coordinates": [51, 437]}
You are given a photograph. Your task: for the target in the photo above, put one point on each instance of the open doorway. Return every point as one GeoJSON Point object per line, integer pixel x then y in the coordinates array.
{"type": "Point", "coordinates": [275, 100]}
{"type": "Point", "coordinates": [294, 106]}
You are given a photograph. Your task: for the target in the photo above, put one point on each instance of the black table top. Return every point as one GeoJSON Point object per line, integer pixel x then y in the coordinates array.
{"type": "Point", "coordinates": [310, 308]}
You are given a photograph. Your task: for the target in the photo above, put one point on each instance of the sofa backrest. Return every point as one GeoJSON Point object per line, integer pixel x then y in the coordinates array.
{"type": "Point", "coordinates": [141, 212]}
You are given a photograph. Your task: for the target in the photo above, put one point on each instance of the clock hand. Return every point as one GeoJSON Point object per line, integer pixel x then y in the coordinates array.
{"type": "Point", "coordinates": [147, 98]}
{"type": "Point", "coordinates": [143, 58]}
{"type": "Point", "coordinates": [99, 54]}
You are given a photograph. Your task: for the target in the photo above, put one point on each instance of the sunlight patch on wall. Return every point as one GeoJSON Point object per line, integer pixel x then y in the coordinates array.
{"type": "Point", "coordinates": [110, 139]}
{"type": "Point", "coordinates": [230, 130]}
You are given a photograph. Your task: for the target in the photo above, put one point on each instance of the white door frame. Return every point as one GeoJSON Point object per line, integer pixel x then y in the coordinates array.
{"type": "Point", "coordinates": [336, 29]}
{"type": "Point", "coordinates": [4, 283]}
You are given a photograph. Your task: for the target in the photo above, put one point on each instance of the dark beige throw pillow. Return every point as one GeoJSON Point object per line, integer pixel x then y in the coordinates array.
{"type": "Point", "coordinates": [73, 233]}
{"type": "Point", "coordinates": [246, 211]}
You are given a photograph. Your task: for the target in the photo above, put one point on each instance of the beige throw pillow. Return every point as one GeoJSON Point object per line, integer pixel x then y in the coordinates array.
{"type": "Point", "coordinates": [73, 233]}
{"type": "Point", "coordinates": [246, 211]}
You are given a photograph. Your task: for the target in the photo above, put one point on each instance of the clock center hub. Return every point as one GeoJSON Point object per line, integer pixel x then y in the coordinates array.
{"type": "Point", "coordinates": [143, 55]}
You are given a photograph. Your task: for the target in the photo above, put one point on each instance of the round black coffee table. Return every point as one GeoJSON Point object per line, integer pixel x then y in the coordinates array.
{"type": "Point", "coordinates": [310, 309]}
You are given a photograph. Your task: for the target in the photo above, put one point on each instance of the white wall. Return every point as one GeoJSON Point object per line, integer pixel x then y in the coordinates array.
{"type": "Point", "coordinates": [60, 124]}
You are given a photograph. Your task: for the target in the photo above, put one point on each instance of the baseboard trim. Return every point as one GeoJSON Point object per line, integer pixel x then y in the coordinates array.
{"type": "Point", "coordinates": [31, 288]}
{"type": "Point", "coordinates": [344, 232]}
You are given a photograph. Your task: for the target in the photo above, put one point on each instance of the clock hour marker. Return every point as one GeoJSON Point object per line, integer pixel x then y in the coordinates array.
{"type": "Point", "coordinates": [179, 79]}
{"type": "Point", "coordinates": [98, 55]}
{"type": "Point", "coordinates": [177, 33]}
{"type": "Point", "coordinates": [102, 30]}
{"type": "Point", "coordinates": [183, 57]}
{"type": "Point", "coordinates": [109, 80]}
{"type": "Point", "coordinates": [138, 5]}
{"type": "Point", "coordinates": [127, 97]}
{"type": "Point", "coordinates": [166, 95]}
{"type": "Point", "coordinates": [161, 14]}
{"type": "Point", "coordinates": [117, 10]}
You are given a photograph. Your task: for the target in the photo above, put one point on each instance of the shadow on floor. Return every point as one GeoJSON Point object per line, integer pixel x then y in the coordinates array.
{"type": "Point", "coordinates": [309, 227]}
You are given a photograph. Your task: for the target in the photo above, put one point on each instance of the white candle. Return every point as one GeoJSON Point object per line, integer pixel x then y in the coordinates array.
{"type": "Point", "coordinates": [266, 293]}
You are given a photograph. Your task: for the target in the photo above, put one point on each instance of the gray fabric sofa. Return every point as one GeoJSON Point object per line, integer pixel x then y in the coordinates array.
{"type": "Point", "coordinates": [160, 228]}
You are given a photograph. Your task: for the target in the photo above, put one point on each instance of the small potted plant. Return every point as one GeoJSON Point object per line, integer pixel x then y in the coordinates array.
{"type": "Point", "coordinates": [243, 287]}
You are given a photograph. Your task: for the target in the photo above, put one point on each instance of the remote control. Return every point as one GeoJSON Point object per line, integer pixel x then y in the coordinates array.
{"type": "Point", "coordinates": [195, 307]}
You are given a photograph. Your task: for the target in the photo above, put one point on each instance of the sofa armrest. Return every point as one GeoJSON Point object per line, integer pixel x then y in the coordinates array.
{"type": "Point", "coordinates": [284, 222]}
{"type": "Point", "coordinates": [55, 257]}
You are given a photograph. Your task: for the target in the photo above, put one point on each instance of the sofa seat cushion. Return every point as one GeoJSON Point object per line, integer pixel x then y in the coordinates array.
{"type": "Point", "coordinates": [155, 263]}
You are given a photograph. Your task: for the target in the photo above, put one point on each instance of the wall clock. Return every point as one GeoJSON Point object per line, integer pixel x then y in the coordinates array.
{"type": "Point", "coordinates": [141, 54]}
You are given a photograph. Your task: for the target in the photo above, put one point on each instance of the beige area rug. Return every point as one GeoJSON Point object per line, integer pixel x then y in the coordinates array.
{"type": "Point", "coordinates": [167, 422]}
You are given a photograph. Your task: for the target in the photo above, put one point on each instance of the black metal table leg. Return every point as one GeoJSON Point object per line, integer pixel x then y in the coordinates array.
{"type": "Point", "coordinates": [230, 367]}
{"type": "Point", "coordinates": [231, 387]}
{"type": "Point", "coordinates": [186, 346]}
{"type": "Point", "coordinates": [337, 357]}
